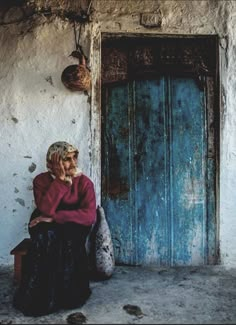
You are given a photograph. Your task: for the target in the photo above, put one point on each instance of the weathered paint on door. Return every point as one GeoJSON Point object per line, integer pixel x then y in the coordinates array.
{"type": "Point", "coordinates": [155, 171]}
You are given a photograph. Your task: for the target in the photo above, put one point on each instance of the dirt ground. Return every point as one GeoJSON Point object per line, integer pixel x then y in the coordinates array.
{"type": "Point", "coordinates": [143, 295]}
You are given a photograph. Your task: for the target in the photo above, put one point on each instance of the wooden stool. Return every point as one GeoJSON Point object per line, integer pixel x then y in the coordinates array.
{"type": "Point", "coordinates": [19, 253]}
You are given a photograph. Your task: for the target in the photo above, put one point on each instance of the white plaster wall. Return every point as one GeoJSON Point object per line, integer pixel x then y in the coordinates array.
{"type": "Point", "coordinates": [37, 110]}
{"type": "Point", "coordinates": [228, 150]}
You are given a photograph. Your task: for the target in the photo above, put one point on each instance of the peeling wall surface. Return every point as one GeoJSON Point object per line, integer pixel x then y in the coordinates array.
{"type": "Point", "coordinates": [36, 108]}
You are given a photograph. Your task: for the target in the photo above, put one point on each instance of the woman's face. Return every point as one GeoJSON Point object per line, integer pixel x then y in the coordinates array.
{"type": "Point", "coordinates": [70, 163]}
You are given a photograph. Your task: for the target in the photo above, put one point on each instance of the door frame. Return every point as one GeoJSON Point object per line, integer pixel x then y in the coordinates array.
{"type": "Point", "coordinates": [96, 110]}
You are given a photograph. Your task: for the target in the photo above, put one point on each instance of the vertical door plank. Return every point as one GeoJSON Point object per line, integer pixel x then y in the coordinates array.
{"type": "Point", "coordinates": [151, 172]}
{"type": "Point", "coordinates": [116, 185]}
{"type": "Point", "coordinates": [188, 172]}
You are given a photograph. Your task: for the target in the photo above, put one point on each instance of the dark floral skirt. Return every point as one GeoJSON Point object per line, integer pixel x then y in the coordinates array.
{"type": "Point", "coordinates": [56, 270]}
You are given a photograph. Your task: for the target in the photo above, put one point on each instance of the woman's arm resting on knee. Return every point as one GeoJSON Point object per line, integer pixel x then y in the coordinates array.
{"type": "Point", "coordinates": [38, 220]}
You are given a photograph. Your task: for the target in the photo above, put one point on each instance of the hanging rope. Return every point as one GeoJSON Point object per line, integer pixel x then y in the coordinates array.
{"type": "Point", "coordinates": [88, 11]}
{"type": "Point", "coordinates": [78, 53]}
{"type": "Point", "coordinates": [77, 37]}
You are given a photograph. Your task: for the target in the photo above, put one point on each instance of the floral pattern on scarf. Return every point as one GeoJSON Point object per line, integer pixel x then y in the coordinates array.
{"type": "Point", "coordinates": [62, 148]}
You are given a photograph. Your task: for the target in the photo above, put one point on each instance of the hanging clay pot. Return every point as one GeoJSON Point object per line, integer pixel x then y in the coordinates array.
{"type": "Point", "coordinates": [77, 77]}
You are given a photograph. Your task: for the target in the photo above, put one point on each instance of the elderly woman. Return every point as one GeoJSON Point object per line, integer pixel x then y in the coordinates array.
{"type": "Point", "coordinates": [56, 270]}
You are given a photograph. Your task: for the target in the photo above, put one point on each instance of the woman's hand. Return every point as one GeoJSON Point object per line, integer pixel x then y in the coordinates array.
{"type": "Point", "coordinates": [38, 220]}
{"type": "Point", "coordinates": [57, 166]}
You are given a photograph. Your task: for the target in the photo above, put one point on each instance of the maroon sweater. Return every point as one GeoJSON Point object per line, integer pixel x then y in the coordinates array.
{"type": "Point", "coordinates": [63, 202]}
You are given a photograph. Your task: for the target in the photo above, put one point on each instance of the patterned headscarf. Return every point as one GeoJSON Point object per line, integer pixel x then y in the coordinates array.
{"type": "Point", "coordinates": [62, 148]}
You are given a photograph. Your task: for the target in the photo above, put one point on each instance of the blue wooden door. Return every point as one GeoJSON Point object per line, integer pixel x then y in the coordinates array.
{"type": "Point", "coordinates": [155, 172]}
